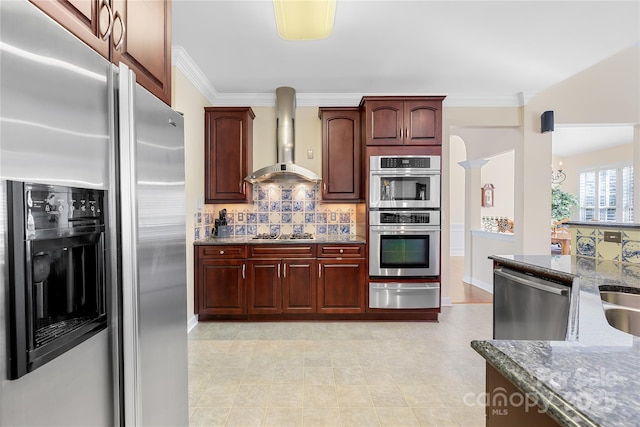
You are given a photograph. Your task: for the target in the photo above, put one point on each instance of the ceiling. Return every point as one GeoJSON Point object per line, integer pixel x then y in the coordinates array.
{"type": "Point", "coordinates": [475, 52]}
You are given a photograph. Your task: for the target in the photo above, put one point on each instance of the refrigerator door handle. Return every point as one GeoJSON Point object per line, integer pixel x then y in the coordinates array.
{"type": "Point", "coordinates": [129, 227]}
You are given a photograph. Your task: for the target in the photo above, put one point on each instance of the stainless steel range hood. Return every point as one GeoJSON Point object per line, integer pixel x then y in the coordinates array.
{"type": "Point", "coordinates": [285, 170]}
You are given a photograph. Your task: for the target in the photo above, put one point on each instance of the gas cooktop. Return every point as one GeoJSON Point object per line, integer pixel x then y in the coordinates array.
{"type": "Point", "coordinates": [291, 236]}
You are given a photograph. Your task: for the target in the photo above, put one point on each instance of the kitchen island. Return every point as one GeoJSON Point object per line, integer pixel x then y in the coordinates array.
{"type": "Point", "coordinates": [590, 379]}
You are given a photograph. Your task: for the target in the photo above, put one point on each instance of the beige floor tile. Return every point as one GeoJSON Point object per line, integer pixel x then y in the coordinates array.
{"type": "Point", "coordinates": [246, 417]}
{"type": "Point", "coordinates": [396, 417]}
{"type": "Point", "coordinates": [220, 396]}
{"type": "Point", "coordinates": [470, 416]}
{"type": "Point", "coordinates": [378, 376]}
{"type": "Point", "coordinates": [289, 375]}
{"type": "Point", "coordinates": [228, 376]}
{"type": "Point", "coordinates": [320, 396]}
{"type": "Point", "coordinates": [318, 376]}
{"type": "Point", "coordinates": [349, 376]}
{"type": "Point", "coordinates": [387, 396]}
{"type": "Point", "coordinates": [252, 396]}
{"type": "Point", "coordinates": [283, 417]}
{"type": "Point", "coordinates": [359, 417]}
{"type": "Point", "coordinates": [353, 396]}
{"type": "Point", "coordinates": [321, 417]}
{"type": "Point", "coordinates": [257, 375]}
{"type": "Point", "coordinates": [317, 359]}
{"type": "Point", "coordinates": [286, 395]}
{"type": "Point", "coordinates": [435, 417]}
{"type": "Point", "coordinates": [319, 345]}
{"type": "Point", "coordinates": [420, 395]}
{"type": "Point", "coordinates": [209, 417]}
{"type": "Point", "coordinates": [344, 359]}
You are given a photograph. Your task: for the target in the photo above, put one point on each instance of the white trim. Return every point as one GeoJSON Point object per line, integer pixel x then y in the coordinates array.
{"type": "Point", "coordinates": [456, 239]}
{"type": "Point", "coordinates": [192, 323]}
{"type": "Point", "coordinates": [446, 302]}
{"type": "Point", "coordinates": [473, 164]}
{"type": "Point", "coordinates": [505, 237]}
{"type": "Point", "coordinates": [183, 62]}
{"type": "Point", "coordinates": [488, 287]}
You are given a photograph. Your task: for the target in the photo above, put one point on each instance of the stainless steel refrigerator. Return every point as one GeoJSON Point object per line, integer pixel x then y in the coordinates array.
{"type": "Point", "coordinates": [69, 117]}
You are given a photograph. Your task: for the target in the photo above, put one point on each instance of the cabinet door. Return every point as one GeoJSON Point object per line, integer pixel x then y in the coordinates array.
{"type": "Point", "coordinates": [227, 137]}
{"type": "Point", "coordinates": [265, 294]}
{"type": "Point", "coordinates": [341, 159]}
{"type": "Point", "coordinates": [384, 122]}
{"type": "Point", "coordinates": [298, 285]}
{"type": "Point", "coordinates": [422, 121]}
{"type": "Point", "coordinates": [221, 287]}
{"type": "Point", "coordinates": [341, 286]}
{"type": "Point", "coordinates": [89, 20]}
{"type": "Point", "coordinates": [141, 39]}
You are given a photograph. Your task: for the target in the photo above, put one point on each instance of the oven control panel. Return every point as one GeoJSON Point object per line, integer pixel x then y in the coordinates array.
{"type": "Point", "coordinates": [431, 163]}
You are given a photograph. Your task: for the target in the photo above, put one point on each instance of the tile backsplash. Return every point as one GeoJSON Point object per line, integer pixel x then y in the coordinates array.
{"type": "Point", "coordinates": [280, 209]}
{"type": "Point", "coordinates": [589, 241]}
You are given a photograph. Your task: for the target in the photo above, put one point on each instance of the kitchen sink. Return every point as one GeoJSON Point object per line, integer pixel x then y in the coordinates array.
{"type": "Point", "coordinates": [622, 310]}
{"type": "Point", "coordinates": [621, 298]}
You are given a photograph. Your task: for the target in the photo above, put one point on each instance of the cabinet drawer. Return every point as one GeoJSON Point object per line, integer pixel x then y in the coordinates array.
{"type": "Point", "coordinates": [351, 251]}
{"type": "Point", "coordinates": [280, 251]}
{"type": "Point", "coordinates": [222, 251]}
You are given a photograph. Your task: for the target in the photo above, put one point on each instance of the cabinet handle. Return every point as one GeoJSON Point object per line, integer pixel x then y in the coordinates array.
{"type": "Point", "coordinates": [124, 30]}
{"type": "Point", "coordinates": [244, 266]}
{"type": "Point", "coordinates": [406, 133]}
{"type": "Point", "coordinates": [278, 271]}
{"type": "Point", "coordinates": [105, 3]}
{"type": "Point", "coordinates": [285, 271]}
{"type": "Point", "coordinates": [319, 270]}
{"type": "Point", "coordinates": [401, 133]}
{"type": "Point", "coordinates": [325, 187]}
{"type": "Point", "coordinates": [221, 252]}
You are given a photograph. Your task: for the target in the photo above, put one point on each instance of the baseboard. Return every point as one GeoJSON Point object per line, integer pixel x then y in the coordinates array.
{"type": "Point", "coordinates": [487, 287]}
{"type": "Point", "coordinates": [446, 301]}
{"type": "Point", "coordinates": [192, 323]}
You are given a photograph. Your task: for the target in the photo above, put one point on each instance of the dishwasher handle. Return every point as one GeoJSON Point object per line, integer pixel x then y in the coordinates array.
{"type": "Point", "coordinates": [530, 283]}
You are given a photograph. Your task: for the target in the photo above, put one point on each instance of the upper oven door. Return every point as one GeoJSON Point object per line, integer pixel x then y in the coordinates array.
{"type": "Point", "coordinates": [398, 189]}
{"type": "Point", "coordinates": [404, 251]}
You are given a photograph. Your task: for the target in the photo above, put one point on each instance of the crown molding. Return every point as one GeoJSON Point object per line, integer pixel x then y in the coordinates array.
{"type": "Point", "coordinates": [183, 62]}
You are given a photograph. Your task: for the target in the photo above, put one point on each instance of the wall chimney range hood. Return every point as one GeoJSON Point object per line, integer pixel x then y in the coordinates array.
{"type": "Point", "coordinates": [285, 170]}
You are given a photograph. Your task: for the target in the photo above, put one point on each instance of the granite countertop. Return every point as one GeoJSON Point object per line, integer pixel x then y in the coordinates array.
{"type": "Point", "coordinates": [248, 240]}
{"type": "Point", "coordinates": [592, 379]}
{"type": "Point", "coordinates": [631, 225]}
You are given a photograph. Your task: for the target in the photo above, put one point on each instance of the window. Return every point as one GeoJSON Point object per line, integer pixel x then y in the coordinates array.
{"type": "Point", "coordinates": [606, 194]}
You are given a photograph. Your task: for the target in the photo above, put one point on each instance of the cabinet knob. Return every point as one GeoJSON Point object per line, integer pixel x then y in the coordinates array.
{"type": "Point", "coordinates": [221, 252]}
{"type": "Point", "coordinates": [341, 251]}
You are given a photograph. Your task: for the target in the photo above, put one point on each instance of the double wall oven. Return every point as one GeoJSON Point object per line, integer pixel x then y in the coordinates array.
{"type": "Point", "coordinates": [404, 232]}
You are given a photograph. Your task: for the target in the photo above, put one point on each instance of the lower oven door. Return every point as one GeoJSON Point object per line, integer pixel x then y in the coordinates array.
{"type": "Point", "coordinates": [404, 251]}
{"type": "Point", "coordinates": [404, 295]}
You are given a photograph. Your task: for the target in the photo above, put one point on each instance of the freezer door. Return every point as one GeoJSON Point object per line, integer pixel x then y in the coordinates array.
{"type": "Point", "coordinates": [153, 259]}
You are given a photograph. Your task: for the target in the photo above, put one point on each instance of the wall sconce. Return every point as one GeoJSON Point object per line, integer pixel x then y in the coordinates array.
{"type": "Point", "coordinates": [546, 122]}
{"type": "Point", "coordinates": [304, 19]}
{"type": "Point", "coordinates": [558, 176]}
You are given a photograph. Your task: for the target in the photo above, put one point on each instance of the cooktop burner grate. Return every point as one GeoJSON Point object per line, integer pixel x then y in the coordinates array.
{"type": "Point", "coordinates": [292, 236]}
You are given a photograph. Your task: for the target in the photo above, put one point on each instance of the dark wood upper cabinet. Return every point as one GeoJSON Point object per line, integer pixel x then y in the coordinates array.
{"type": "Point", "coordinates": [89, 20]}
{"type": "Point", "coordinates": [141, 38]}
{"type": "Point", "coordinates": [402, 120]}
{"type": "Point", "coordinates": [341, 154]}
{"type": "Point", "coordinates": [228, 140]}
{"type": "Point", "coordinates": [135, 32]}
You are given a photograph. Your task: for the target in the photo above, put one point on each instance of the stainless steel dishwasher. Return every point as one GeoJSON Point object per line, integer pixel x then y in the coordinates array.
{"type": "Point", "coordinates": [526, 307]}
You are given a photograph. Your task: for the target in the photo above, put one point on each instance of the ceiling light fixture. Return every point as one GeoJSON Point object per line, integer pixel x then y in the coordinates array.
{"type": "Point", "coordinates": [304, 19]}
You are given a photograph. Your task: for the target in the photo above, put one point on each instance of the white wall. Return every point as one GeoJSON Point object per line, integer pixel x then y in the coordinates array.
{"type": "Point", "coordinates": [189, 101]}
{"type": "Point", "coordinates": [483, 245]}
{"type": "Point", "coordinates": [500, 172]}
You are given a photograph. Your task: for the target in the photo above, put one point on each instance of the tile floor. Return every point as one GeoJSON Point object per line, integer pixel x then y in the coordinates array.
{"type": "Point", "coordinates": [340, 373]}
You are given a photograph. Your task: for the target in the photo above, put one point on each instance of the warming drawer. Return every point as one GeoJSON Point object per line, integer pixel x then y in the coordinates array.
{"type": "Point", "coordinates": [404, 295]}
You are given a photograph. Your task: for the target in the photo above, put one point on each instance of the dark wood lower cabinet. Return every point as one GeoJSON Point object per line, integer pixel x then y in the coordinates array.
{"type": "Point", "coordinates": [221, 287]}
{"type": "Point", "coordinates": [507, 406]}
{"type": "Point", "coordinates": [299, 286]}
{"type": "Point", "coordinates": [264, 287]}
{"type": "Point", "coordinates": [341, 286]}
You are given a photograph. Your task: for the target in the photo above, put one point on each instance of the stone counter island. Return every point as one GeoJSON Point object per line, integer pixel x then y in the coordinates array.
{"type": "Point", "coordinates": [590, 379]}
